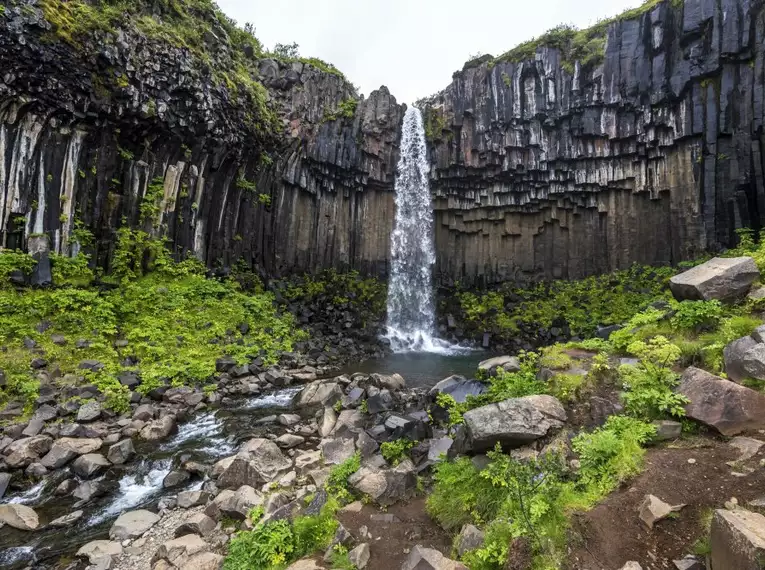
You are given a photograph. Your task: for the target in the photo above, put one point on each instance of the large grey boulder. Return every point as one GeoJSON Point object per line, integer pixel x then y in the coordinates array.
{"type": "Point", "coordinates": [97, 550]}
{"type": "Point", "coordinates": [121, 452]}
{"type": "Point", "coordinates": [259, 461]}
{"type": "Point", "coordinates": [721, 278]}
{"type": "Point", "coordinates": [469, 538]}
{"type": "Point", "coordinates": [734, 354]}
{"type": "Point", "coordinates": [512, 423]}
{"type": "Point", "coordinates": [458, 387]}
{"type": "Point", "coordinates": [19, 516]}
{"type": "Point", "coordinates": [319, 393]}
{"type": "Point", "coordinates": [158, 429]}
{"type": "Point", "coordinates": [196, 523]}
{"type": "Point", "coordinates": [335, 451]}
{"type": "Point", "coordinates": [753, 362]}
{"type": "Point", "coordinates": [178, 550]}
{"type": "Point", "coordinates": [67, 448]}
{"type": "Point", "coordinates": [389, 381]}
{"type": "Point", "coordinates": [507, 363]}
{"type": "Point", "coordinates": [738, 540]}
{"type": "Point", "coordinates": [132, 524]}
{"type": "Point", "coordinates": [386, 486]}
{"type": "Point", "coordinates": [27, 450]}
{"type": "Point", "coordinates": [90, 464]}
{"type": "Point", "coordinates": [234, 504]}
{"type": "Point", "coordinates": [89, 411]}
{"type": "Point", "coordinates": [421, 558]}
{"type": "Point", "coordinates": [721, 404]}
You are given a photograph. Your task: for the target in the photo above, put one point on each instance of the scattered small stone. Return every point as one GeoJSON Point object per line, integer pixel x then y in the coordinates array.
{"type": "Point", "coordinates": [654, 509]}
{"type": "Point", "coordinates": [691, 461]}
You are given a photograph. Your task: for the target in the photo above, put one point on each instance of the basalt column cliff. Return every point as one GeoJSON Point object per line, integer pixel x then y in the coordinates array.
{"type": "Point", "coordinates": [178, 124]}
{"type": "Point", "coordinates": [545, 166]}
{"type": "Point", "coordinates": [639, 140]}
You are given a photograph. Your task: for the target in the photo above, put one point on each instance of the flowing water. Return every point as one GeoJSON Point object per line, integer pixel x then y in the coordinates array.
{"type": "Point", "coordinates": [207, 437]}
{"type": "Point", "coordinates": [411, 308]}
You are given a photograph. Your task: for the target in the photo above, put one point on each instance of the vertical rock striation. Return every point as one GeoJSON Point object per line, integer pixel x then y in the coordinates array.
{"type": "Point", "coordinates": [547, 169]}
{"type": "Point", "coordinates": [90, 131]}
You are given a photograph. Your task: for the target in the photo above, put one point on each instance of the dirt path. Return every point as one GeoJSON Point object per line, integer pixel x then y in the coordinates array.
{"type": "Point", "coordinates": [693, 472]}
{"type": "Point", "coordinates": [392, 539]}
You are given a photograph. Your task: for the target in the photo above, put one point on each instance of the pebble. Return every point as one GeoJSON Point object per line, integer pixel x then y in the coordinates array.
{"type": "Point", "coordinates": [691, 461]}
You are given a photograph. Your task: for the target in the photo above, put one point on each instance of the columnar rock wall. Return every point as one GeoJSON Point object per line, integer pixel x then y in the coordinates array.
{"type": "Point", "coordinates": [78, 147]}
{"type": "Point", "coordinates": [651, 157]}
{"type": "Point", "coordinates": [541, 168]}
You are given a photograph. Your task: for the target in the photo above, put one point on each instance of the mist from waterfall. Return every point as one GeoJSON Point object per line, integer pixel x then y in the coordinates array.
{"type": "Point", "coordinates": [411, 309]}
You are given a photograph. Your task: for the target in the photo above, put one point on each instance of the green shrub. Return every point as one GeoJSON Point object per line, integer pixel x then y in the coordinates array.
{"type": "Point", "coordinates": [697, 315]}
{"type": "Point", "coordinates": [274, 544]}
{"type": "Point", "coordinates": [337, 482]}
{"type": "Point", "coordinates": [73, 271]}
{"type": "Point", "coordinates": [13, 260]}
{"type": "Point", "coordinates": [394, 452]}
{"type": "Point", "coordinates": [611, 454]}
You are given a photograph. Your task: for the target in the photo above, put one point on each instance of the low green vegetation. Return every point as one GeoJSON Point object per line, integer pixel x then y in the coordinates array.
{"type": "Point", "coordinates": [273, 545]}
{"type": "Point", "coordinates": [534, 498]}
{"type": "Point", "coordinates": [582, 305]}
{"type": "Point", "coordinates": [345, 110]}
{"type": "Point", "coordinates": [394, 452]}
{"type": "Point", "coordinates": [172, 320]}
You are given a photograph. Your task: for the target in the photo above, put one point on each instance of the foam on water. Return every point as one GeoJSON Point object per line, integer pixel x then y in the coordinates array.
{"type": "Point", "coordinates": [208, 430]}
{"type": "Point", "coordinates": [29, 496]}
{"type": "Point", "coordinates": [135, 489]}
{"type": "Point", "coordinates": [16, 554]}
{"type": "Point", "coordinates": [278, 399]}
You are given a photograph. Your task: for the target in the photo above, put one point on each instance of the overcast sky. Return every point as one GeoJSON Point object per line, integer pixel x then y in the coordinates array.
{"type": "Point", "coordinates": [412, 46]}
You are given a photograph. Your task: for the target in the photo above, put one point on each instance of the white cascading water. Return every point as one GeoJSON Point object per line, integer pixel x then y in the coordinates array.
{"type": "Point", "coordinates": [411, 309]}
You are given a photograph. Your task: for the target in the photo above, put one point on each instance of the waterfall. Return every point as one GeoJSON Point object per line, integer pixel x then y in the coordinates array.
{"type": "Point", "coordinates": [411, 309]}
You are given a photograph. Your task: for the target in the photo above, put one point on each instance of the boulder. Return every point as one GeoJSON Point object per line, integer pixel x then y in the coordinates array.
{"type": "Point", "coordinates": [721, 404]}
{"type": "Point", "coordinates": [175, 478]}
{"type": "Point", "coordinates": [27, 450]}
{"type": "Point", "coordinates": [132, 524]}
{"type": "Point", "coordinates": [178, 550]}
{"type": "Point", "coordinates": [406, 427]}
{"type": "Point", "coordinates": [67, 448]}
{"type": "Point", "coordinates": [234, 504]}
{"type": "Point", "coordinates": [753, 362]}
{"type": "Point", "coordinates": [386, 486]}
{"type": "Point", "coordinates": [66, 520]}
{"type": "Point", "coordinates": [89, 411]}
{"type": "Point", "coordinates": [631, 565]}
{"type": "Point", "coordinates": [158, 429]}
{"type": "Point", "coordinates": [19, 516]}
{"type": "Point", "coordinates": [359, 556]}
{"type": "Point", "coordinates": [197, 523]}
{"type": "Point", "coordinates": [306, 564]}
{"type": "Point", "coordinates": [469, 538]}
{"type": "Point", "coordinates": [507, 363]}
{"type": "Point", "coordinates": [653, 509]}
{"type": "Point", "coordinates": [733, 354]}
{"type": "Point", "coordinates": [90, 464]}
{"type": "Point", "coordinates": [289, 440]}
{"type": "Point", "coordinates": [319, 393]}
{"type": "Point", "coordinates": [348, 422]}
{"type": "Point", "coordinates": [204, 561]}
{"type": "Point", "coordinates": [458, 387]}
{"type": "Point", "coordinates": [288, 420]}
{"type": "Point", "coordinates": [667, 430]}
{"type": "Point", "coordinates": [96, 550]}
{"type": "Point", "coordinates": [188, 499]}
{"type": "Point", "coordinates": [121, 452]}
{"type": "Point", "coordinates": [738, 540]}
{"type": "Point", "coordinates": [725, 279]}
{"type": "Point", "coordinates": [391, 382]}
{"type": "Point", "coordinates": [88, 490]}
{"type": "Point", "coordinates": [421, 558]}
{"type": "Point", "coordinates": [380, 402]}
{"type": "Point", "coordinates": [366, 445]}
{"type": "Point", "coordinates": [327, 423]}
{"type": "Point", "coordinates": [5, 478]}
{"type": "Point", "coordinates": [307, 461]}
{"type": "Point", "coordinates": [512, 423]}
{"type": "Point", "coordinates": [259, 461]}
{"type": "Point", "coordinates": [335, 451]}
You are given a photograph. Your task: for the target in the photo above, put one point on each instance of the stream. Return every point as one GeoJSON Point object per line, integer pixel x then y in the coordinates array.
{"type": "Point", "coordinates": [207, 437]}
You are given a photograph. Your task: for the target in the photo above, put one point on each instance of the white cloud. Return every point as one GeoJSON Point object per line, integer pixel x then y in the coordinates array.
{"type": "Point", "coordinates": [412, 46]}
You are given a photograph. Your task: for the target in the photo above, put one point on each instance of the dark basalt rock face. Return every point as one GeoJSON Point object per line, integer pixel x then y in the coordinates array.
{"type": "Point", "coordinates": [86, 131]}
{"type": "Point", "coordinates": [541, 168]}
{"type": "Point", "coordinates": [653, 156]}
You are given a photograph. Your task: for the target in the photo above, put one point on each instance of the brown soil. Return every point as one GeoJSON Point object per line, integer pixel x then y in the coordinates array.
{"type": "Point", "coordinates": [612, 534]}
{"type": "Point", "coordinates": [392, 541]}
